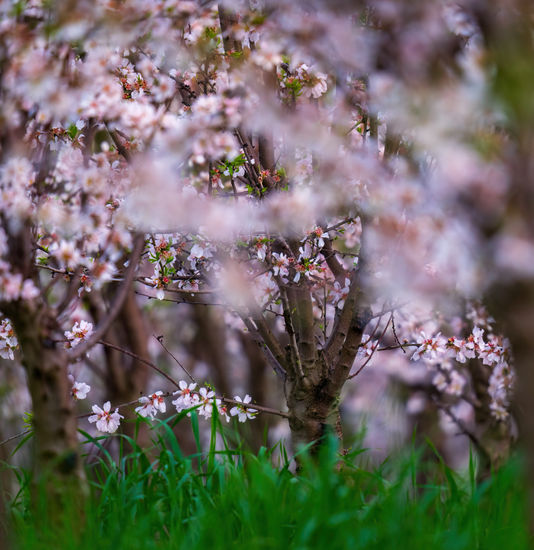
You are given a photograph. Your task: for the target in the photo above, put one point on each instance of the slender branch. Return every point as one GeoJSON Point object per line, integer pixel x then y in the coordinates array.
{"type": "Point", "coordinates": [140, 359]}
{"type": "Point", "coordinates": [178, 301]}
{"type": "Point", "coordinates": [114, 310]}
{"type": "Point", "coordinates": [54, 270]}
{"type": "Point", "coordinates": [465, 430]}
{"type": "Point", "coordinates": [389, 310]}
{"type": "Point", "coordinates": [253, 406]}
{"type": "Point", "coordinates": [71, 291]}
{"type": "Point", "coordinates": [373, 352]}
{"type": "Point", "coordinates": [160, 340]}
{"type": "Point", "coordinates": [394, 329]}
{"type": "Point", "coordinates": [338, 224]}
{"type": "Point", "coordinates": [178, 290]}
{"type": "Point", "coordinates": [13, 437]}
{"type": "Point", "coordinates": [290, 330]}
{"type": "Point", "coordinates": [342, 323]}
{"type": "Point", "coordinates": [120, 147]}
{"type": "Point", "coordinates": [400, 346]}
{"type": "Point", "coordinates": [333, 263]}
{"type": "Point", "coordinates": [270, 341]}
{"type": "Point", "coordinates": [271, 359]}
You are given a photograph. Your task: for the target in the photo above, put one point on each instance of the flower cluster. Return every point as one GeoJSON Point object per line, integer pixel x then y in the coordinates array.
{"type": "Point", "coordinates": [151, 404]}
{"type": "Point", "coordinates": [187, 397]}
{"type": "Point", "coordinates": [204, 400]}
{"type": "Point", "coordinates": [8, 340]}
{"type": "Point", "coordinates": [80, 332]}
{"type": "Point", "coordinates": [106, 421]}
{"type": "Point", "coordinates": [13, 286]}
{"type": "Point", "coordinates": [493, 351]}
{"type": "Point", "coordinates": [243, 412]}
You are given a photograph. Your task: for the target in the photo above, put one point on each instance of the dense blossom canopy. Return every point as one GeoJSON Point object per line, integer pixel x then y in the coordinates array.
{"type": "Point", "coordinates": [258, 149]}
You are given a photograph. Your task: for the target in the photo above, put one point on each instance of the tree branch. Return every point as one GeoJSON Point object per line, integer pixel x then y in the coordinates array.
{"type": "Point", "coordinates": [160, 340]}
{"type": "Point", "coordinates": [84, 347]}
{"type": "Point", "coordinates": [140, 359]}
{"type": "Point", "coordinates": [342, 323]}
{"type": "Point", "coordinates": [305, 329]}
{"type": "Point", "coordinates": [275, 362]}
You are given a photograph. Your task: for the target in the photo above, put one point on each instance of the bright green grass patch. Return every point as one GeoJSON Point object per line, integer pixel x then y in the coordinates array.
{"type": "Point", "coordinates": [238, 500]}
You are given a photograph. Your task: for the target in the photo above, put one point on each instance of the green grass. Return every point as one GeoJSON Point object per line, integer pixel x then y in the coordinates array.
{"type": "Point", "coordinates": [234, 499]}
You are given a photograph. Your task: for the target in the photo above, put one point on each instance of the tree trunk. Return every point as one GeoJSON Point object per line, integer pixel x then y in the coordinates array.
{"type": "Point", "coordinates": [312, 404]}
{"type": "Point", "coordinates": [58, 467]}
{"type": "Point", "coordinates": [310, 413]}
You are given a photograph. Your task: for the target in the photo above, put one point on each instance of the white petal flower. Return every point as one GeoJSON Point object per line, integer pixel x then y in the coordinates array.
{"type": "Point", "coordinates": [151, 404]}
{"type": "Point", "coordinates": [106, 421]}
{"type": "Point", "coordinates": [187, 398]}
{"type": "Point", "coordinates": [80, 390]}
{"type": "Point", "coordinates": [243, 413]}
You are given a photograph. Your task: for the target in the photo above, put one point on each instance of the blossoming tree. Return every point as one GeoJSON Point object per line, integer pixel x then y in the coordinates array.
{"type": "Point", "coordinates": [311, 166]}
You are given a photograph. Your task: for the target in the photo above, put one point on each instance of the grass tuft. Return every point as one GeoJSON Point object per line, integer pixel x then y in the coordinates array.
{"type": "Point", "coordinates": [223, 498]}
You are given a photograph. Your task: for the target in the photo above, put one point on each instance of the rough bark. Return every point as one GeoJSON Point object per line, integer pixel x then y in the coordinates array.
{"type": "Point", "coordinates": [58, 467]}
{"type": "Point", "coordinates": [313, 396]}
{"type": "Point", "coordinates": [311, 408]}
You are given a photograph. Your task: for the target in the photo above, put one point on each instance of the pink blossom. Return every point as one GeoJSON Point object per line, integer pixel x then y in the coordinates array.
{"type": "Point", "coordinates": [80, 390]}
{"type": "Point", "coordinates": [187, 397]}
{"type": "Point", "coordinates": [151, 404]}
{"type": "Point", "coordinates": [8, 340]}
{"type": "Point", "coordinates": [106, 421]}
{"type": "Point", "coordinates": [340, 294]}
{"type": "Point", "coordinates": [80, 331]}
{"type": "Point", "coordinates": [430, 347]}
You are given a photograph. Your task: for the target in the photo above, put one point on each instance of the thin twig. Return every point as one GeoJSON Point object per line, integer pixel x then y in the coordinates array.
{"type": "Point", "coordinates": [151, 365]}
{"type": "Point", "coordinates": [253, 406]}
{"type": "Point", "coordinates": [160, 340]}
{"type": "Point", "coordinates": [388, 310]}
{"type": "Point", "coordinates": [374, 350]}
{"type": "Point", "coordinates": [465, 430]}
{"type": "Point", "coordinates": [13, 437]}
{"type": "Point", "coordinates": [395, 332]}
{"type": "Point", "coordinates": [140, 359]}
{"type": "Point", "coordinates": [401, 346]}
{"type": "Point", "coordinates": [193, 303]}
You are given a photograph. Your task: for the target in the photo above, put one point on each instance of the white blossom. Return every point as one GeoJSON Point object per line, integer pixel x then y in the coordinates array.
{"type": "Point", "coordinates": [243, 413]}
{"type": "Point", "coordinates": [106, 421]}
